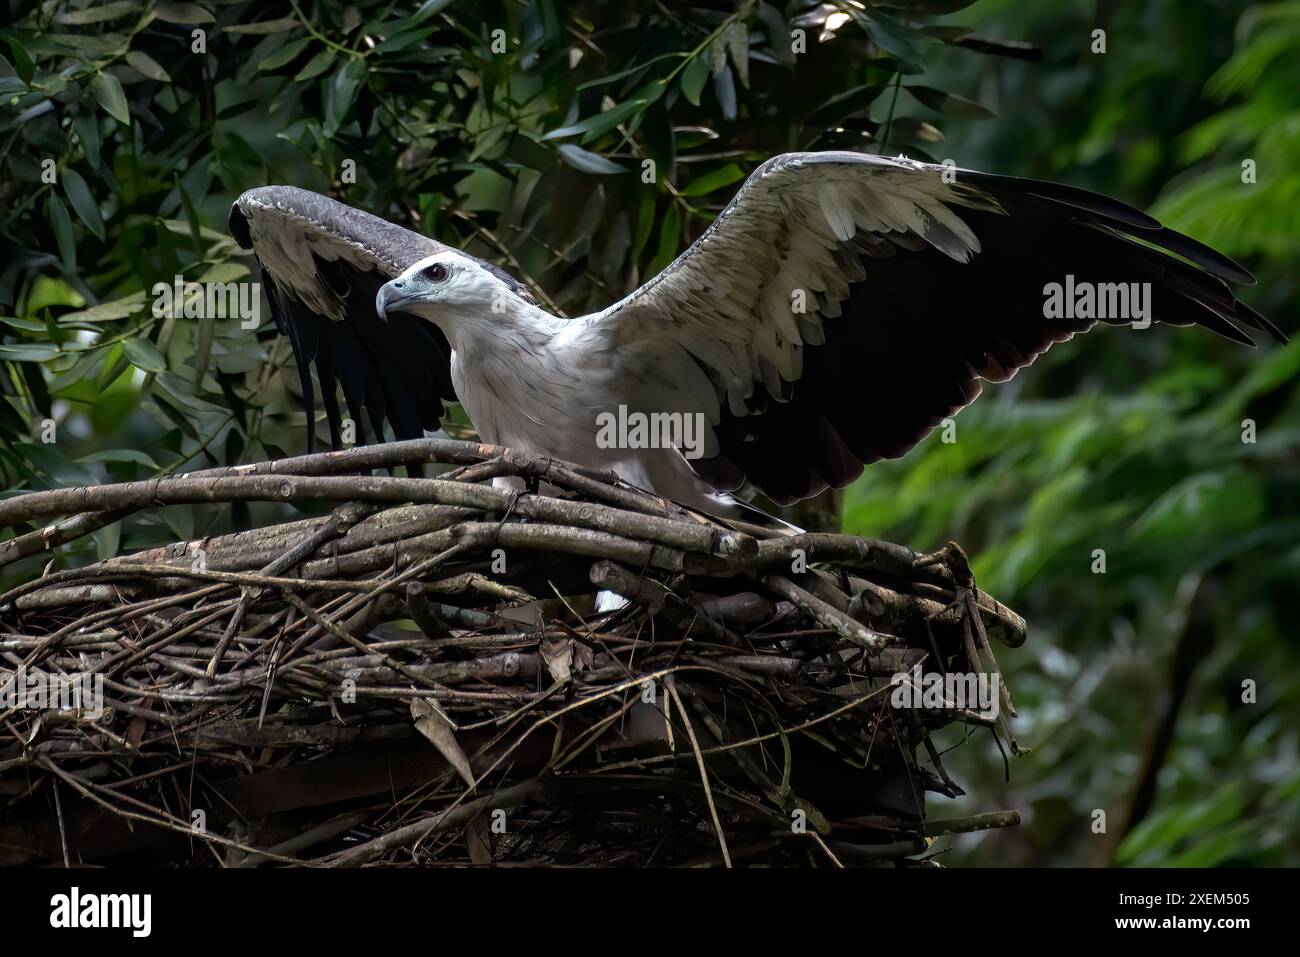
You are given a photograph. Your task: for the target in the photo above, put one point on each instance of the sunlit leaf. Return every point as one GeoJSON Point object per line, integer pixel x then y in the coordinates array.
{"type": "Point", "coordinates": [587, 161]}
{"type": "Point", "coordinates": [693, 79]}
{"type": "Point", "coordinates": [28, 351]}
{"type": "Point", "coordinates": [736, 38]}
{"type": "Point", "coordinates": [342, 93]}
{"type": "Point", "coordinates": [108, 91]}
{"type": "Point", "coordinates": [98, 14]}
{"type": "Point", "coordinates": [264, 27]}
{"type": "Point", "coordinates": [600, 124]}
{"type": "Point", "coordinates": [133, 456]}
{"type": "Point", "coordinates": [187, 13]}
{"type": "Point", "coordinates": [62, 223]}
{"type": "Point", "coordinates": [950, 103]}
{"type": "Point", "coordinates": [285, 55]}
{"type": "Point", "coordinates": [144, 354]}
{"type": "Point", "coordinates": [146, 65]}
{"type": "Point", "coordinates": [78, 193]}
{"type": "Point", "coordinates": [106, 311]}
{"type": "Point", "coordinates": [714, 179]}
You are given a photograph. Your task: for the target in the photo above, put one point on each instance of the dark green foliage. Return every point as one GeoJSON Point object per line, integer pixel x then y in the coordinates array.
{"type": "Point", "coordinates": [521, 131]}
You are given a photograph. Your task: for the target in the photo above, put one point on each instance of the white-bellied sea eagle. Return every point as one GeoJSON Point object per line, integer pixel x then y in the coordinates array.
{"type": "Point", "coordinates": [839, 308]}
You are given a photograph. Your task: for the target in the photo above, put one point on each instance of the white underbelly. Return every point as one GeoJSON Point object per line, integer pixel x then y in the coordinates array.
{"type": "Point", "coordinates": [558, 419]}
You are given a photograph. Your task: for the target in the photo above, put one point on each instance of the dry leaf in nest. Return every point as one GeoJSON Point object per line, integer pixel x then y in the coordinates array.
{"type": "Point", "coordinates": [432, 722]}
{"type": "Point", "coordinates": [557, 653]}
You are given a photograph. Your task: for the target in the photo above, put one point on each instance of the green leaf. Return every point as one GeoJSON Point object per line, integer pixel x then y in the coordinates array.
{"type": "Point", "coordinates": [736, 38]}
{"type": "Point", "coordinates": [595, 126]}
{"type": "Point", "coordinates": [175, 416]}
{"type": "Point", "coordinates": [107, 11]}
{"type": "Point", "coordinates": [847, 103]}
{"type": "Point", "coordinates": [714, 179]}
{"type": "Point", "coordinates": [1214, 503]}
{"type": "Point", "coordinates": [108, 91]}
{"type": "Point", "coordinates": [28, 351]}
{"type": "Point", "coordinates": [107, 541]}
{"type": "Point", "coordinates": [630, 71]}
{"type": "Point", "coordinates": [83, 202]}
{"type": "Point", "coordinates": [949, 103]}
{"type": "Point", "coordinates": [183, 13]}
{"type": "Point", "coordinates": [62, 224]}
{"type": "Point", "coordinates": [182, 228]}
{"type": "Point", "coordinates": [264, 27]}
{"type": "Point", "coordinates": [144, 354]}
{"type": "Point", "coordinates": [317, 65]}
{"type": "Point", "coordinates": [203, 346]}
{"type": "Point", "coordinates": [693, 79]}
{"type": "Point", "coordinates": [224, 272]}
{"type": "Point", "coordinates": [1185, 821]}
{"type": "Point", "coordinates": [645, 223]}
{"type": "Point", "coordinates": [51, 461]}
{"type": "Point", "coordinates": [429, 8]}
{"type": "Point", "coordinates": [893, 37]}
{"type": "Point", "coordinates": [670, 231]}
{"type": "Point", "coordinates": [191, 215]}
{"type": "Point", "coordinates": [285, 55]}
{"type": "Point", "coordinates": [587, 161]}
{"type": "Point", "coordinates": [660, 140]}
{"type": "Point", "coordinates": [19, 322]}
{"type": "Point", "coordinates": [146, 65]}
{"type": "Point", "coordinates": [86, 126]}
{"type": "Point", "coordinates": [133, 456]}
{"type": "Point", "coordinates": [106, 311]}
{"type": "Point", "coordinates": [23, 63]}
{"type": "Point", "coordinates": [778, 33]}
{"type": "Point", "coordinates": [114, 364]}
{"type": "Point", "coordinates": [84, 46]}
{"type": "Point", "coordinates": [404, 39]}
{"type": "Point", "coordinates": [341, 93]}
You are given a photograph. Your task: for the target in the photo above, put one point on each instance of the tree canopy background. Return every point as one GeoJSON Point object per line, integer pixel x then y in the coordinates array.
{"type": "Point", "coordinates": [1164, 691]}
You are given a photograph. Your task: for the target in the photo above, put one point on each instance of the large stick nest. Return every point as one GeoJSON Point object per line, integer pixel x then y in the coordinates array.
{"type": "Point", "coordinates": [419, 677]}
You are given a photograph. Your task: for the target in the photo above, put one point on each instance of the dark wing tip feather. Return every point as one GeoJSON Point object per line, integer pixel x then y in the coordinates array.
{"type": "Point", "coordinates": [1195, 274]}
{"type": "Point", "coordinates": [299, 325]}
{"type": "Point", "coordinates": [1210, 260]}
{"type": "Point", "coordinates": [1096, 204]}
{"type": "Point", "coordinates": [393, 373]}
{"type": "Point", "coordinates": [237, 223]}
{"type": "Point", "coordinates": [1117, 214]}
{"type": "Point", "coordinates": [1255, 320]}
{"type": "Point", "coordinates": [1203, 297]}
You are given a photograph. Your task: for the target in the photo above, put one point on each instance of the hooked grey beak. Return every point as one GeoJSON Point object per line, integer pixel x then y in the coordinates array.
{"type": "Point", "coordinates": [392, 296]}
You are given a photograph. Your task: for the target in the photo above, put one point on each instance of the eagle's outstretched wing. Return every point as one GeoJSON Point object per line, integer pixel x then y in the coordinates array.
{"type": "Point", "coordinates": [843, 304]}
{"type": "Point", "coordinates": [322, 263]}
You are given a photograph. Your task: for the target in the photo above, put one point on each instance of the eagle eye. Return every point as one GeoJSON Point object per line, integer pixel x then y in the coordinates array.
{"type": "Point", "coordinates": [436, 273]}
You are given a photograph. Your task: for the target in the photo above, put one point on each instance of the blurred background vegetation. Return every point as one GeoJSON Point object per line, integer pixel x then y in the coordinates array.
{"type": "Point", "coordinates": [518, 128]}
